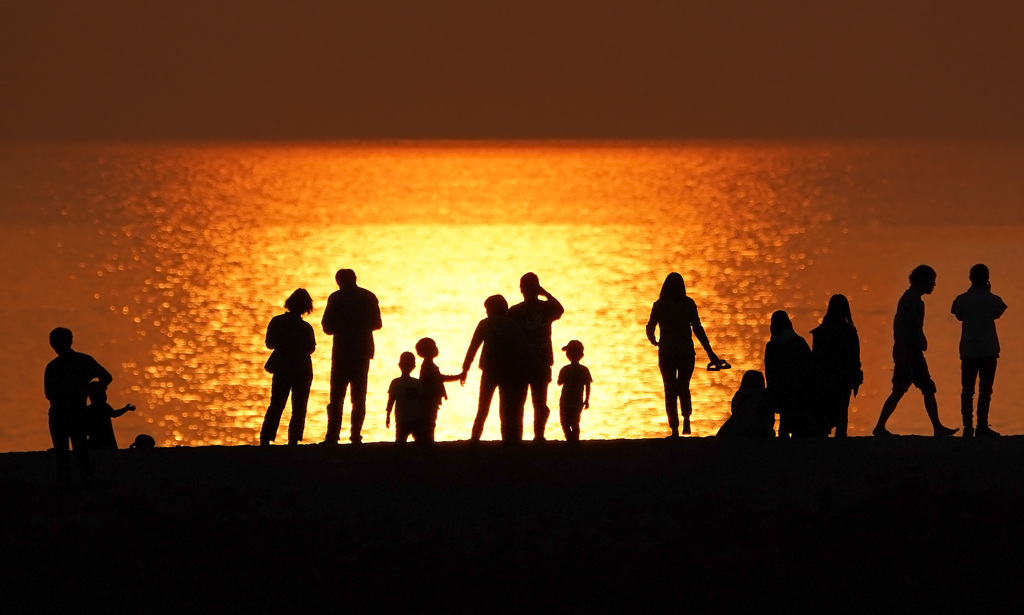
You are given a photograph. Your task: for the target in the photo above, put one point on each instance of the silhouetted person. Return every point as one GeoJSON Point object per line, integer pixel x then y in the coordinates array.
{"type": "Point", "coordinates": [836, 349]}
{"type": "Point", "coordinates": [675, 314]}
{"type": "Point", "coordinates": [65, 384]}
{"type": "Point", "coordinates": [432, 381]}
{"type": "Point", "coordinates": [351, 316]}
{"type": "Point", "coordinates": [575, 381]}
{"type": "Point", "coordinates": [752, 414]}
{"type": "Point", "coordinates": [535, 317]}
{"type": "Point", "coordinates": [405, 397]}
{"type": "Point", "coordinates": [789, 376]}
{"type": "Point", "coordinates": [909, 344]}
{"type": "Point", "coordinates": [978, 310]}
{"type": "Point", "coordinates": [292, 341]}
{"type": "Point", "coordinates": [98, 425]}
{"type": "Point", "coordinates": [500, 338]}
{"type": "Point", "coordinates": [143, 441]}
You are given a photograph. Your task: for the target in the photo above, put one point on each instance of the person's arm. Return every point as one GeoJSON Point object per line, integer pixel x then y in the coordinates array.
{"type": "Point", "coordinates": [102, 374]}
{"type": "Point", "coordinates": [375, 321]}
{"type": "Point", "coordinates": [555, 308]}
{"type": "Point", "coordinates": [652, 324]}
{"type": "Point", "coordinates": [327, 321]}
{"type": "Point", "coordinates": [312, 338]}
{"type": "Point", "coordinates": [474, 345]}
{"type": "Point", "coordinates": [116, 413]}
{"type": "Point", "coordinates": [702, 337]}
{"type": "Point", "coordinates": [586, 397]}
{"type": "Point", "coordinates": [272, 335]}
{"type": "Point", "coordinates": [391, 404]}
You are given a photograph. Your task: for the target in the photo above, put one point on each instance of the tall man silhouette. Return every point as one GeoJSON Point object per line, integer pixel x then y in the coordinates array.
{"type": "Point", "coordinates": [535, 317]}
{"type": "Point", "coordinates": [65, 384]}
{"type": "Point", "coordinates": [351, 316]}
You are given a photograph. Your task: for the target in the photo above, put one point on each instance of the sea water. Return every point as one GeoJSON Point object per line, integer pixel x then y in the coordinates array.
{"type": "Point", "coordinates": [168, 260]}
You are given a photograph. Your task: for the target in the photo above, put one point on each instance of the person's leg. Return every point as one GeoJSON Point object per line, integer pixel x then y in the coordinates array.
{"type": "Point", "coordinates": [80, 445]}
{"type": "Point", "coordinates": [539, 397]}
{"type": "Point", "coordinates": [487, 387]}
{"type": "Point", "coordinates": [60, 435]}
{"type": "Point", "coordinates": [339, 384]}
{"type": "Point", "coordinates": [968, 376]}
{"type": "Point", "coordinates": [683, 387]}
{"type": "Point", "coordinates": [279, 388]}
{"type": "Point", "coordinates": [359, 379]}
{"type": "Point", "coordinates": [987, 377]}
{"type": "Point", "coordinates": [888, 407]}
{"type": "Point", "coordinates": [300, 402]}
{"type": "Point", "coordinates": [511, 401]}
{"type": "Point", "coordinates": [841, 412]}
{"type": "Point", "coordinates": [565, 419]}
{"type": "Point", "coordinates": [670, 379]}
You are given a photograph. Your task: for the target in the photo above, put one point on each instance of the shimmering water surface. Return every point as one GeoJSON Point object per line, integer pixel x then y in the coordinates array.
{"type": "Point", "coordinates": [168, 261]}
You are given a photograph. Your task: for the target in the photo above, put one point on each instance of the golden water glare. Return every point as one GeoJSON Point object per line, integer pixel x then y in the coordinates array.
{"type": "Point", "coordinates": [175, 258]}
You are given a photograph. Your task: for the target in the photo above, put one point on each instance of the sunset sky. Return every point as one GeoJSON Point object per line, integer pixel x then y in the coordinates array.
{"type": "Point", "coordinates": [302, 69]}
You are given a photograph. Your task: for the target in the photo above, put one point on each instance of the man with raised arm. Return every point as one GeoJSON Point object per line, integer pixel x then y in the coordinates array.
{"type": "Point", "coordinates": [535, 314]}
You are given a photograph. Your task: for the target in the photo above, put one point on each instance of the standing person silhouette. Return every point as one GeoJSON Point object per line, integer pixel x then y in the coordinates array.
{"type": "Point", "coordinates": [789, 378]}
{"type": "Point", "coordinates": [978, 310]}
{"type": "Point", "coordinates": [66, 385]}
{"type": "Point", "coordinates": [351, 316]}
{"type": "Point", "coordinates": [675, 314]}
{"type": "Point", "coordinates": [292, 341]}
{"type": "Point", "coordinates": [909, 344]}
{"type": "Point", "coordinates": [501, 339]}
{"type": "Point", "coordinates": [535, 317]}
{"type": "Point", "coordinates": [836, 349]}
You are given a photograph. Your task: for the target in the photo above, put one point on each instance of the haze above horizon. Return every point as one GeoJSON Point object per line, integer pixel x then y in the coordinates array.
{"type": "Point", "coordinates": [462, 69]}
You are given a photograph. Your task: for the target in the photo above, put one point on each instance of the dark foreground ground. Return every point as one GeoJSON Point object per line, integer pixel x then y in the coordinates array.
{"type": "Point", "coordinates": [699, 525]}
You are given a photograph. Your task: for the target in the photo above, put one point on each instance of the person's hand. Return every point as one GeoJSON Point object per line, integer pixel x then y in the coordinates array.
{"type": "Point", "coordinates": [654, 342]}
{"type": "Point", "coordinates": [462, 378]}
{"type": "Point", "coordinates": [586, 405]}
{"type": "Point", "coordinates": [387, 422]}
{"type": "Point", "coordinates": [130, 407]}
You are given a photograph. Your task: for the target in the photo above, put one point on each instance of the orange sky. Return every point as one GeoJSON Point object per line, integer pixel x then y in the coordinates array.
{"type": "Point", "coordinates": [525, 69]}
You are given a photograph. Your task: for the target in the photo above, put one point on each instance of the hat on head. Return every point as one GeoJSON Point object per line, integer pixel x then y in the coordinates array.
{"type": "Point", "coordinates": [573, 345]}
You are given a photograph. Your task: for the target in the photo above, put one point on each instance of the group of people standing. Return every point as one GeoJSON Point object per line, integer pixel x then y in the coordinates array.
{"type": "Point", "coordinates": [809, 387]}
{"type": "Point", "coordinates": [516, 359]}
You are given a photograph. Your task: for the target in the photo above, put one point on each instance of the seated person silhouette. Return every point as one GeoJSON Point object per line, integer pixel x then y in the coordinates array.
{"type": "Point", "coordinates": [752, 415]}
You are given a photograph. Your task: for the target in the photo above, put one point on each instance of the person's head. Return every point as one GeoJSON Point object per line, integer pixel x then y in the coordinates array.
{"type": "Point", "coordinates": [299, 302]}
{"type": "Point", "coordinates": [97, 392]}
{"type": "Point", "coordinates": [529, 285]}
{"type": "Point", "coordinates": [781, 322]}
{"type": "Point", "coordinates": [673, 288]}
{"type": "Point", "coordinates": [574, 350]}
{"type": "Point", "coordinates": [346, 278]}
{"type": "Point", "coordinates": [838, 311]}
{"type": "Point", "coordinates": [60, 340]}
{"type": "Point", "coordinates": [426, 348]}
{"type": "Point", "coordinates": [496, 305]}
{"type": "Point", "coordinates": [979, 275]}
{"type": "Point", "coordinates": [923, 278]}
{"type": "Point", "coordinates": [406, 363]}
{"type": "Point", "coordinates": [752, 379]}
{"type": "Point", "coordinates": [143, 441]}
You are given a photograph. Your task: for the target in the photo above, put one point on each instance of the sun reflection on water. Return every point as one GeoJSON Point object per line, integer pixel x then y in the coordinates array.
{"type": "Point", "coordinates": [176, 258]}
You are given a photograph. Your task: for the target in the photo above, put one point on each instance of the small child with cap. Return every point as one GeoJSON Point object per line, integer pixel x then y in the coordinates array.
{"type": "Point", "coordinates": [575, 381]}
